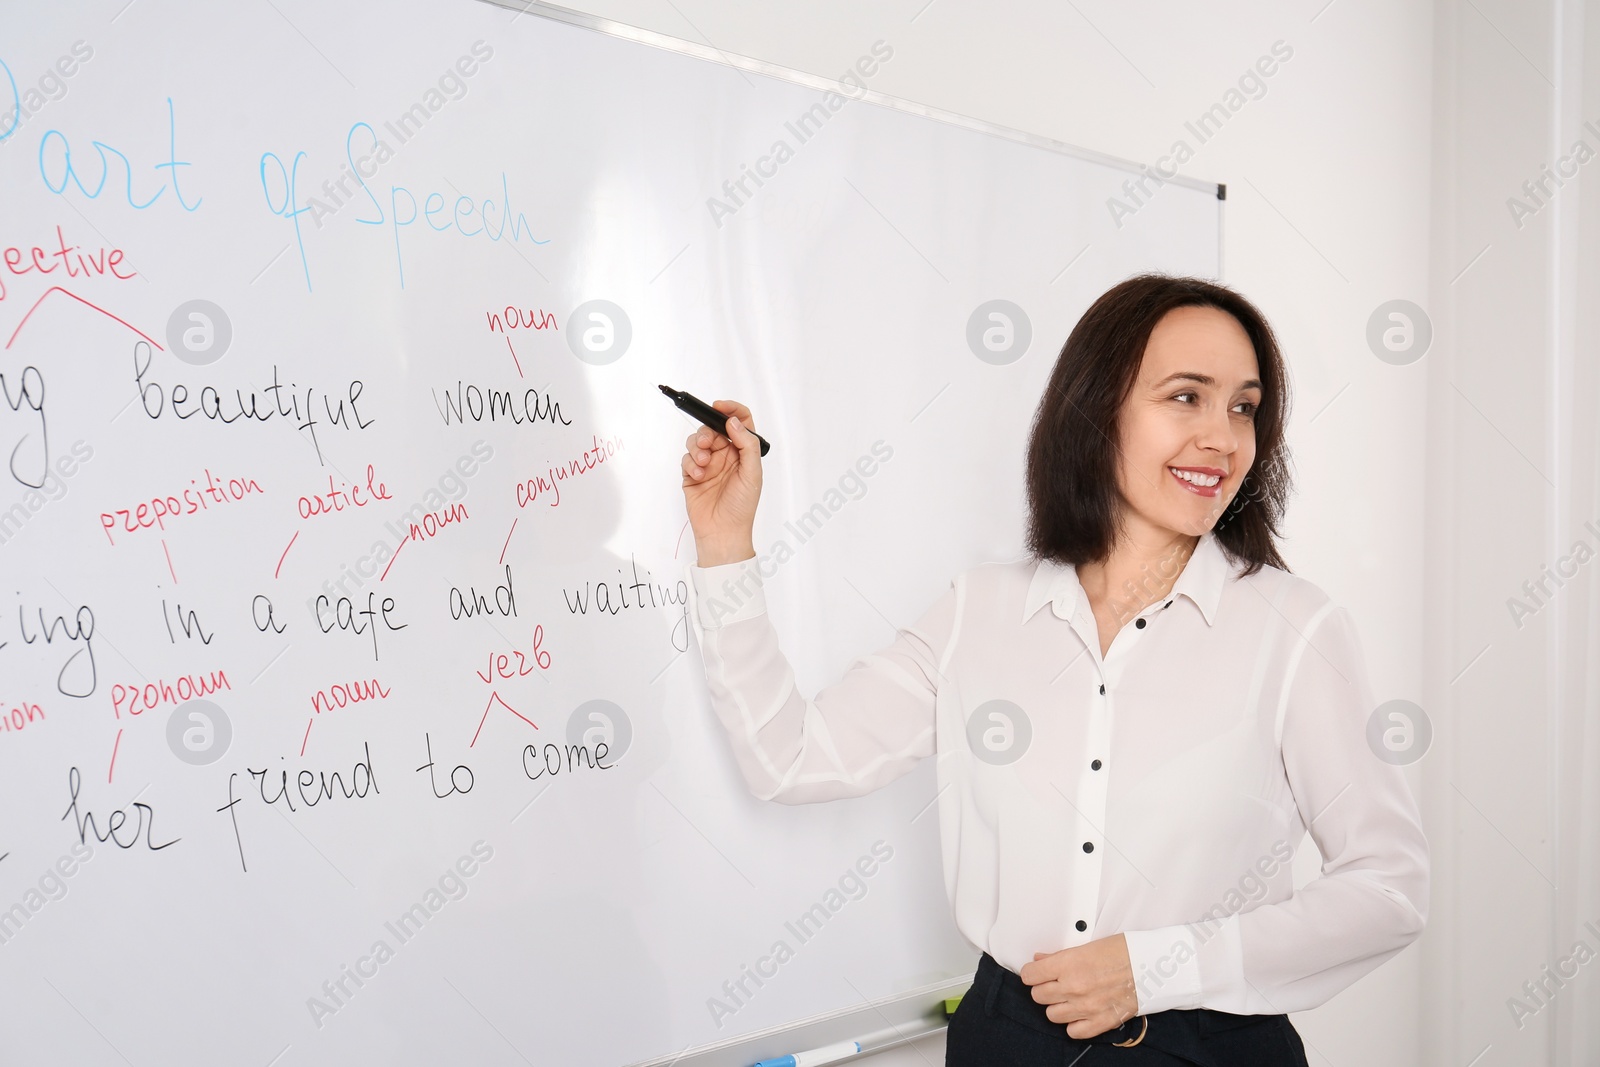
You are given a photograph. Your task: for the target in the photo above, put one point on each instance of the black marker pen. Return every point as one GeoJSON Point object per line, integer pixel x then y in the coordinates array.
{"type": "Point", "coordinates": [707, 414]}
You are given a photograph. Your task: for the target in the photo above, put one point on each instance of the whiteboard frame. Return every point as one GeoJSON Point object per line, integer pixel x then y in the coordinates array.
{"type": "Point", "coordinates": [814, 81]}
{"type": "Point", "coordinates": [915, 1013]}
{"type": "Point", "coordinates": [885, 1023]}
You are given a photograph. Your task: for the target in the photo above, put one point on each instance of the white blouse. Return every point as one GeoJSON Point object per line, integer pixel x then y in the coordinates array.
{"type": "Point", "coordinates": [1160, 791]}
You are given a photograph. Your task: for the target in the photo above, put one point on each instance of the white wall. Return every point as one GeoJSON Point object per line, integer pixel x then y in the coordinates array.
{"type": "Point", "coordinates": [1514, 406]}
{"type": "Point", "coordinates": [1328, 177]}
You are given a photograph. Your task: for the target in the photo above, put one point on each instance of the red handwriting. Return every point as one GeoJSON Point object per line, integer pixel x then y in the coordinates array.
{"type": "Point", "coordinates": [342, 694]}
{"type": "Point", "coordinates": [91, 306]}
{"type": "Point", "coordinates": [433, 522]}
{"type": "Point", "coordinates": [156, 511]}
{"type": "Point", "coordinates": [531, 489]}
{"type": "Point", "coordinates": [344, 495]}
{"type": "Point", "coordinates": [493, 698]}
{"type": "Point", "coordinates": [18, 717]}
{"type": "Point", "coordinates": [523, 318]}
{"type": "Point", "coordinates": [500, 666]}
{"type": "Point", "coordinates": [499, 663]}
{"type": "Point", "coordinates": [77, 261]}
{"type": "Point", "coordinates": [137, 699]}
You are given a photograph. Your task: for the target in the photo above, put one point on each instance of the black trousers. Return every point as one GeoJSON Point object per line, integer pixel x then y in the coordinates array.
{"type": "Point", "coordinates": [999, 1024]}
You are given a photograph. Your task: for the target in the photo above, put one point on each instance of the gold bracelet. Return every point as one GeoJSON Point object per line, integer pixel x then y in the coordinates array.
{"type": "Point", "coordinates": [1135, 1041]}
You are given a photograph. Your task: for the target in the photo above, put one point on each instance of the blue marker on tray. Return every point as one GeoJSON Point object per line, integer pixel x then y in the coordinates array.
{"type": "Point", "coordinates": [817, 1056]}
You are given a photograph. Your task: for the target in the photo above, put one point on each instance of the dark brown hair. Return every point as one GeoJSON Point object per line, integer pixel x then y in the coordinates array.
{"type": "Point", "coordinates": [1074, 504]}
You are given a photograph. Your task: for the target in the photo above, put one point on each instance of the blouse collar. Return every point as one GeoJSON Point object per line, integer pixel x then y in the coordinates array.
{"type": "Point", "coordinates": [1201, 581]}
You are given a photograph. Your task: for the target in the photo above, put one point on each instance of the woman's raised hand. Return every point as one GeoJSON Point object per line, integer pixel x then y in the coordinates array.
{"type": "Point", "coordinates": [721, 485]}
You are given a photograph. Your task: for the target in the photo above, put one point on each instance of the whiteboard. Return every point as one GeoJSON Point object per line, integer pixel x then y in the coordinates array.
{"type": "Point", "coordinates": [473, 805]}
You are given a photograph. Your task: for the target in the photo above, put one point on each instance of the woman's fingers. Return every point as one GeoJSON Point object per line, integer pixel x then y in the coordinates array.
{"type": "Point", "coordinates": [733, 407]}
{"type": "Point", "coordinates": [749, 447]}
{"type": "Point", "coordinates": [702, 445]}
{"type": "Point", "coordinates": [706, 440]}
{"type": "Point", "coordinates": [700, 459]}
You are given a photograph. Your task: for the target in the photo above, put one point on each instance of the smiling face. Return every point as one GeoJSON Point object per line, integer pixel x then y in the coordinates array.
{"type": "Point", "coordinates": [1188, 425]}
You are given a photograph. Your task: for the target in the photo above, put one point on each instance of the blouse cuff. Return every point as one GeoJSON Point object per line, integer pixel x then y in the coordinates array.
{"type": "Point", "coordinates": [726, 593]}
{"type": "Point", "coordinates": [1166, 968]}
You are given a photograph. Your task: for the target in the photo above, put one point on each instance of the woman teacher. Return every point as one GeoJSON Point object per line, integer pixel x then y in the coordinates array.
{"type": "Point", "coordinates": [1135, 726]}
